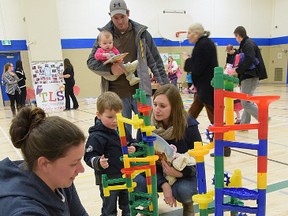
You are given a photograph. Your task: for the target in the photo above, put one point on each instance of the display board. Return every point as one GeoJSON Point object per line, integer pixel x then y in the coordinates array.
{"type": "Point", "coordinates": [48, 86]}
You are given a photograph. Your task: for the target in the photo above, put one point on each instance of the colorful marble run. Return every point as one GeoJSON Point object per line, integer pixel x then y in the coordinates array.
{"type": "Point", "coordinates": [143, 203]}
{"type": "Point", "coordinates": [220, 83]}
{"type": "Point", "coordinates": [224, 135]}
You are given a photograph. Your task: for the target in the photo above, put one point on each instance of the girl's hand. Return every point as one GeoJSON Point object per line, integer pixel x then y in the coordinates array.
{"type": "Point", "coordinates": [168, 196]}
{"type": "Point", "coordinates": [170, 171]}
{"type": "Point", "coordinates": [131, 149]}
{"type": "Point", "coordinates": [104, 162]}
{"type": "Point", "coordinates": [106, 55]}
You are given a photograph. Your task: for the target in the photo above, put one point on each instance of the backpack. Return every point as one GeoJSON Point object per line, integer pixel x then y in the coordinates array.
{"type": "Point", "coordinates": [258, 63]}
{"type": "Point", "coordinates": [260, 68]}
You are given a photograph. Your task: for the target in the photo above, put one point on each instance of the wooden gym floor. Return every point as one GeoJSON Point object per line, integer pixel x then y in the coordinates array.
{"type": "Point", "coordinates": [245, 160]}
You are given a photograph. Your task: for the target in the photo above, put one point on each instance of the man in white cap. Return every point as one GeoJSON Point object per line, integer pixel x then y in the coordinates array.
{"type": "Point", "coordinates": [132, 37]}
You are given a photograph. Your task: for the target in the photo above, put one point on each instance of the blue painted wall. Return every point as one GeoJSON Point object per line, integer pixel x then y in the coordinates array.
{"type": "Point", "coordinates": [88, 43]}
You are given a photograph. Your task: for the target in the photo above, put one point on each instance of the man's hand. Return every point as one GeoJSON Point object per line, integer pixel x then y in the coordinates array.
{"type": "Point", "coordinates": [117, 69]}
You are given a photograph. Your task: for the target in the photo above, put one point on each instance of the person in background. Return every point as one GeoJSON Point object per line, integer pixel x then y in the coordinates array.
{"type": "Point", "coordinates": [230, 59]}
{"type": "Point", "coordinates": [177, 127]}
{"type": "Point", "coordinates": [21, 83]}
{"type": "Point", "coordinates": [68, 76]}
{"type": "Point", "coordinates": [12, 90]}
{"type": "Point", "coordinates": [103, 152]}
{"type": "Point", "coordinates": [201, 64]}
{"type": "Point", "coordinates": [132, 37]}
{"type": "Point", "coordinates": [189, 82]}
{"type": "Point", "coordinates": [172, 70]}
{"type": "Point", "coordinates": [231, 52]}
{"type": "Point", "coordinates": [42, 183]}
{"type": "Point", "coordinates": [247, 73]}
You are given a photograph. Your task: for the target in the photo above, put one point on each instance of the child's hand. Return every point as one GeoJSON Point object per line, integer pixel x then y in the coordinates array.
{"type": "Point", "coordinates": [131, 149]}
{"type": "Point", "coordinates": [106, 55]}
{"type": "Point", "coordinates": [104, 162]}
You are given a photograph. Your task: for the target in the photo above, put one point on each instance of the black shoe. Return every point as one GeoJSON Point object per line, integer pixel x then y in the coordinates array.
{"type": "Point", "coordinates": [227, 152]}
{"type": "Point", "coordinates": [75, 108]}
{"type": "Point", "coordinates": [66, 109]}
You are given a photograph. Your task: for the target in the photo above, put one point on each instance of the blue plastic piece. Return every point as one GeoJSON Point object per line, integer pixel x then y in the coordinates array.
{"type": "Point", "coordinates": [209, 135]}
{"type": "Point", "coordinates": [241, 193]}
{"type": "Point", "coordinates": [201, 178]}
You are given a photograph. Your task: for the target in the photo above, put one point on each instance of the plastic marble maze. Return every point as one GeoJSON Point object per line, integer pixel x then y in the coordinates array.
{"type": "Point", "coordinates": [138, 162]}
{"type": "Point", "coordinates": [226, 187]}
{"type": "Point", "coordinates": [224, 135]}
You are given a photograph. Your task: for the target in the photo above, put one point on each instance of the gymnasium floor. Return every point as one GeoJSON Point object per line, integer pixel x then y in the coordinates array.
{"type": "Point", "coordinates": [277, 191]}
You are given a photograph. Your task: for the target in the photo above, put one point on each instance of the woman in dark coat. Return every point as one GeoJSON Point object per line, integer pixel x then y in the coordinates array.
{"type": "Point", "coordinates": [21, 83]}
{"type": "Point", "coordinates": [201, 64]}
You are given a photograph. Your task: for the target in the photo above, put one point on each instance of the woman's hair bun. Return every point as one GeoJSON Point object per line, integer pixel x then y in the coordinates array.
{"type": "Point", "coordinates": [23, 124]}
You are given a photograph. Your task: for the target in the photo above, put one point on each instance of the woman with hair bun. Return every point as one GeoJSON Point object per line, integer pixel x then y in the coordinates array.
{"type": "Point", "coordinates": [42, 183]}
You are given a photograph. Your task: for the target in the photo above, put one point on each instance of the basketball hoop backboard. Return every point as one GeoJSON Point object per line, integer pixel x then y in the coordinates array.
{"type": "Point", "coordinates": [170, 23]}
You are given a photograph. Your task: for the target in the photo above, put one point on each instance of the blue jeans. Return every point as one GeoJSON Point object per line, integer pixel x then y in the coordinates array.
{"type": "Point", "coordinates": [129, 105]}
{"type": "Point", "coordinates": [183, 189]}
{"type": "Point", "coordinates": [109, 205]}
{"type": "Point", "coordinates": [174, 82]}
{"type": "Point", "coordinates": [248, 86]}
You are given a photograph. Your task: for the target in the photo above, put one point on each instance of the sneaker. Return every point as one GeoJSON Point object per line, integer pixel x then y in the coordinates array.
{"type": "Point", "coordinates": [237, 121]}
{"type": "Point", "coordinates": [131, 67]}
{"type": "Point", "coordinates": [134, 81]}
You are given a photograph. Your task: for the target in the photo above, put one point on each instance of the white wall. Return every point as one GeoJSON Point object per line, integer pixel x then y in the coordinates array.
{"type": "Point", "coordinates": [221, 17]}
{"type": "Point", "coordinates": [11, 20]}
{"type": "Point", "coordinates": [80, 19]}
{"type": "Point", "coordinates": [279, 18]}
{"type": "Point", "coordinates": [42, 30]}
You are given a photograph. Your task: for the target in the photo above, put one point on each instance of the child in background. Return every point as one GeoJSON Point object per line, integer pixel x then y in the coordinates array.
{"type": "Point", "coordinates": [231, 52]}
{"type": "Point", "coordinates": [190, 82]}
{"type": "Point", "coordinates": [172, 71]}
{"type": "Point", "coordinates": [230, 63]}
{"type": "Point", "coordinates": [107, 50]}
{"type": "Point", "coordinates": [103, 151]}
{"type": "Point", "coordinates": [189, 79]}
{"type": "Point", "coordinates": [237, 108]}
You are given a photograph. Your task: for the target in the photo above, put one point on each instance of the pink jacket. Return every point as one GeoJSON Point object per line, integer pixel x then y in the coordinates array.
{"type": "Point", "coordinates": [99, 53]}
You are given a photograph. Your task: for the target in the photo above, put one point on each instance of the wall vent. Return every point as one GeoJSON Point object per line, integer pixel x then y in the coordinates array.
{"type": "Point", "coordinates": [278, 74]}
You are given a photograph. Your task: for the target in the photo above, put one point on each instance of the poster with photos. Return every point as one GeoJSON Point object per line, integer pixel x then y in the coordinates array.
{"type": "Point", "coordinates": [48, 86]}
